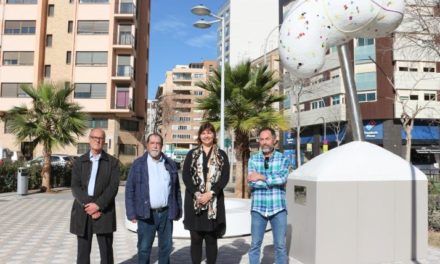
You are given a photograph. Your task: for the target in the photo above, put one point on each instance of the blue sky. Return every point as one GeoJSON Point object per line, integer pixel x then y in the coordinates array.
{"type": "Point", "coordinates": [174, 40]}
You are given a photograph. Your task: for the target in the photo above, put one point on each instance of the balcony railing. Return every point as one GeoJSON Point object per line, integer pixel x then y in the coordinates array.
{"type": "Point", "coordinates": [124, 71]}
{"type": "Point", "coordinates": [126, 39]}
{"type": "Point", "coordinates": [127, 8]}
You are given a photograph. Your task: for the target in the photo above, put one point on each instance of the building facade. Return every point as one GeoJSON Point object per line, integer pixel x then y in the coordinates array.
{"type": "Point", "coordinates": [180, 118]}
{"type": "Point", "coordinates": [100, 47]}
{"type": "Point", "coordinates": [250, 28]}
{"type": "Point", "coordinates": [394, 78]}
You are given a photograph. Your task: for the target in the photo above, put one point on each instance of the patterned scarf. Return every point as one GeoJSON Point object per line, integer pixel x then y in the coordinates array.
{"type": "Point", "coordinates": [215, 164]}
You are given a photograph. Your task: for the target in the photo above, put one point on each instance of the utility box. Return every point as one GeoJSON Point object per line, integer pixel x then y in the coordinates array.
{"type": "Point", "coordinates": [22, 180]}
{"type": "Point", "coordinates": [357, 203]}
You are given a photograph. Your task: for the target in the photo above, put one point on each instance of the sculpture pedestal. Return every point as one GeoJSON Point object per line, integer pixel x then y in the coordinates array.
{"type": "Point", "coordinates": [358, 203]}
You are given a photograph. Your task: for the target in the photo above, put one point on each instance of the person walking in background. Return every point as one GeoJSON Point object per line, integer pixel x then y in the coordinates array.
{"type": "Point", "coordinates": [267, 177]}
{"type": "Point", "coordinates": [205, 174]}
{"type": "Point", "coordinates": [95, 182]}
{"type": "Point", "coordinates": [153, 199]}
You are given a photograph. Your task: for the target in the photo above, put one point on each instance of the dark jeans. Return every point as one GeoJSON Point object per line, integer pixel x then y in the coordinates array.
{"type": "Point", "coordinates": [196, 246]}
{"type": "Point", "coordinates": [147, 228]}
{"type": "Point", "coordinates": [105, 242]}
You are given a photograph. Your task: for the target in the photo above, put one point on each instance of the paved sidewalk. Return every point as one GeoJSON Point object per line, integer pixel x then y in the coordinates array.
{"type": "Point", "coordinates": [35, 229]}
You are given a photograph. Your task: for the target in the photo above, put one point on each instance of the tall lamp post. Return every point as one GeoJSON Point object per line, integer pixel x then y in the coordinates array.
{"type": "Point", "coordinates": [202, 10]}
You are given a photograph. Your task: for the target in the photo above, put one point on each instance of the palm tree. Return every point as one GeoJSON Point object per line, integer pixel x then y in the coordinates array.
{"type": "Point", "coordinates": [51, 120]}
{"type": "Point", "coordinates": [249, 103]}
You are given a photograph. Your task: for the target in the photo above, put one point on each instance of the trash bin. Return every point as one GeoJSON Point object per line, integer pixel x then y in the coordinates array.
{"type": "Point", "coordinates": [22, 180]}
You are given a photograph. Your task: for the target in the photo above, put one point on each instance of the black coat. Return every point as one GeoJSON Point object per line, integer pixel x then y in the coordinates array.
{"type": "Point", "coordinates": [201, 222]}
{"type": "Point", "coordinates": [106, 188]}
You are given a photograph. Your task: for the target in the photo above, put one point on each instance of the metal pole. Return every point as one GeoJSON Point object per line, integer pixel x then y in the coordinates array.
{"type": "Point", "coordinates": [351, 94]}
{"type": "Point", "coordinates": [222, 90]}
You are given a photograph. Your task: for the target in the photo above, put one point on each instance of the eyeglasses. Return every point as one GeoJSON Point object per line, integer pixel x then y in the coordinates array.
{"type": "Point", "coordinates": [266, 163]}
{"type": "Point", "coordinates": [97, 138]}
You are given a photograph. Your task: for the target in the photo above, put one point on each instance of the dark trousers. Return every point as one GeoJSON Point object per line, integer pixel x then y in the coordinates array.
{"type": "Point", "coordinates": [197, 238]}
{"type": "Point", "coordinates": [105, 242]}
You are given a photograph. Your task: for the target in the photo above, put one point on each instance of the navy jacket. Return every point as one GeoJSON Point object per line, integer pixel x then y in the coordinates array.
{"type": "Point", "coordinates": [137, 190]}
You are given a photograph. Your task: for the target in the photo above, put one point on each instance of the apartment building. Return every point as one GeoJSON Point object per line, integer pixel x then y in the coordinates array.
{"type": "Point", "coordinates": [178, 107]}
{"type": "Point", "coordinates": [250, 28]}
{"type": "Point", "coordinates": [152, 118]}
{"type": "Point", "coordinates": [393, 77]}
{"type": "Point", "coordinates": [100, 47]}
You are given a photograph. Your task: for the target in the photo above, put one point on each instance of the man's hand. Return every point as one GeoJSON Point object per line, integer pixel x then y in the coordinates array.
{"type": "Point", "coordinates": [204, 198]}
{"type": "Point", "coordinates": [96, 215]}
{"type": "Point", "coordinates": [254, 176]}
{"type": "Point", "coordinates": [91, 208]}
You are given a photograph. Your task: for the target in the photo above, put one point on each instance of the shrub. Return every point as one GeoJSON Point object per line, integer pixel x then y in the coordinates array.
{"type": "Point", "coordinates": [60, 176]}
{"type": "Point", "coordinates": [123, 171]}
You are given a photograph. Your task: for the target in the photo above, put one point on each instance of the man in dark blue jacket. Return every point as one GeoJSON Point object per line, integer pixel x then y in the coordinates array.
{"type": "Point", "coordinates": [153, 199]}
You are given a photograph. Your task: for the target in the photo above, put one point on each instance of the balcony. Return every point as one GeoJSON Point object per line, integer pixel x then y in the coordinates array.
{"type": "Point", "coordinates": [123, 99]}
{"type": "Point", "coordinates": [125, 10]}
{"type": "Point", "coordinates": [125, 41]}
{"type": "Point", "coordinates": [123, 73]}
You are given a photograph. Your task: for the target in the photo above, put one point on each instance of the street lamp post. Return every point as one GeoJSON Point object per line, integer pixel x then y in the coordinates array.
{"type": "Point", "coordinates": [202, 10]}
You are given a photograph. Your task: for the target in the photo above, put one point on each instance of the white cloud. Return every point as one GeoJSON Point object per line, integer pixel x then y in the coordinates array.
{"type": "Point", "coordinates": [169, 24]}
{"type": "Point", "coordinates": [203, 41]}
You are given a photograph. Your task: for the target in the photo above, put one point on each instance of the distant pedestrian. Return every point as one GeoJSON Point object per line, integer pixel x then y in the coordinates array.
{"type": "Point", "coordinates": [153, 200]}
{"type": "Point", "coordinates": [95, 181]}
{"type": "Point", "coordinates": [267, 177]}
{"type": "Point", "coordinates": [205, 174]}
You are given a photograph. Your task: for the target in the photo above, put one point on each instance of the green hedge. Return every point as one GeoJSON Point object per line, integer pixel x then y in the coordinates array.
{"type": "Point", "coordinates": [60, 176]}
{"type": "Point", "coordinates": [123, 171]}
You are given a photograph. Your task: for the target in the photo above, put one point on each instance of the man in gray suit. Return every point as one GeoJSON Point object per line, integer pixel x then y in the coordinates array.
{"type": "Point", "coordinates": [95, 181]}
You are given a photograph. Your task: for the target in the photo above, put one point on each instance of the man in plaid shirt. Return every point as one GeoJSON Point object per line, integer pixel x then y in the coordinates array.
{"type": "Point", "coordinates": [267, 177]}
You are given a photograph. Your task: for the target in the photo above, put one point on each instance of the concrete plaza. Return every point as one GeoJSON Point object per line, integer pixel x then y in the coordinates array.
{"type": "Point", "coordinates": [35, 229]}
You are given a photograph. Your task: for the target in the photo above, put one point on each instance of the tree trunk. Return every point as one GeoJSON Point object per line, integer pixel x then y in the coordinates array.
{"type": "Point", "coordinates": [45, 172]}
{"type": "Point", "coordinates": [408, 144]}
{"type": "Point", "coordinates": [242, 157]}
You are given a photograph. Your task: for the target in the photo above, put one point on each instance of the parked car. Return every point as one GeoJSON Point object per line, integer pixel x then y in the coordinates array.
{"type": "Point", "coordinates": [55, 159]}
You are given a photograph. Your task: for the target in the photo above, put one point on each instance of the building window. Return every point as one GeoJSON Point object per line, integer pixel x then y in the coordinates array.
{"type": "Point", "coordinates": [365, 41]}
{"type": "Point", "coordinates": [178, 76]}
{"type": "Point", "coordinates": [47, 70]}
{"type": "Point", "coordinates": [336, 99]}
{"type": "Point", "coordinates": [414, 97]}
{"type": "Point", "coordinates": [49, 41]}
{"type": "Point", "coordinates": [429, 97]}
{"type": "Point", "coordinates": [129, 125]}
{"type": "Point", "coordinates": [93, 27]}
{"type": "Point", "coordinates": [19, 27]}
{"type": "Point", "coordinates": [18, 58]}
{"type": "Point", "coordinates": [68, 57]}
{"type": "Point", "coordinates": [182, 118]}
{"type": "Point", "coordinates": [8, 130]}
{"type": "Point", "coordinates": [179, 136]}
{"type": "Point", "coordinates": [90, 90]}
{"type": "Point", "coordinates": [122, 97]}
{"type": "Point", "coordinates": [13, 90]}
{"type": "Point", "coordinates": [97, 123]}
{"type": "Point", "coordinates": [70, 26]}
{"type": "Point", "coordinates": [198, 93]}
{"type": "Point", "coordinates": [198, 75]}
{"type": "Point", "coordinates": [366, 81]}
{"type": "Point", "coordinates": [51, 10]}
{"type": "Point", "coordinates": [318, 104]}
{"type": "Point", "coordinates": [367, 97]}
{"type": "Point", "coordinates": [126, 149]}
{"type": "Point", "coordinates": [30, 2]}
{"type": "Point", "coordinates": [428, 69]}
{"type": "Point", "coordinates": [91, 58]}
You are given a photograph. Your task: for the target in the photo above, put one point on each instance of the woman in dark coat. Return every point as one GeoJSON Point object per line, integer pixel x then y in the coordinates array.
{"type": "Point", "coordinates": [205, 174]}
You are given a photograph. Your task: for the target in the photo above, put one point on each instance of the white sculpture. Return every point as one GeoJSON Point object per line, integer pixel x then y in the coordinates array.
{"type": "Point", "coordinates": [312, 26]}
